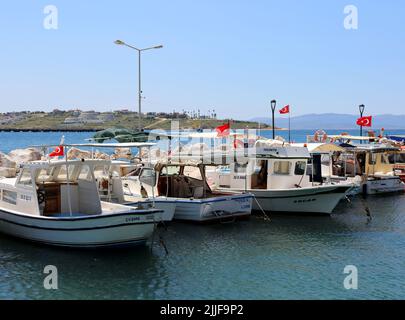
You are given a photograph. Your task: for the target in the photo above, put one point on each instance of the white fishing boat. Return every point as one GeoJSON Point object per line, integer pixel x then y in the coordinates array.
{"type": "Point", "coordinates": [276, 173]}
{"type": "Point", "coordinates": [117, 186]}
{"type": "Point", "coordinates": [115, 181]}
{"type": "Point", "coordinates": [186, 185]}
{"type": "Point", "coordinates": [58, 203]}
{"type": "Point", "coordinates": [324, 157]}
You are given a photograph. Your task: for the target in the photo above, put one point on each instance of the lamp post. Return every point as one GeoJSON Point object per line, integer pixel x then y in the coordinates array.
{"type": "Point", "coordinates": [273, 104]}
{"type": "Point", "coordinates": [122, 43]}
{"type": "Point", "coordinates": [361, 109]}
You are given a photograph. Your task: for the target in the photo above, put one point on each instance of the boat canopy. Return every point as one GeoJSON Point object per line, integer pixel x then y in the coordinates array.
{"type": "Point", "coordinates": [321, 147]}
{"type": "Point", "coordinates": [115, 145]}
{"type": "Point", "coordinates": [377, 148]}
{"type": "Point", "coordinates": [349, 137]}
{"type": "Point", "coordinates": [55, 163]}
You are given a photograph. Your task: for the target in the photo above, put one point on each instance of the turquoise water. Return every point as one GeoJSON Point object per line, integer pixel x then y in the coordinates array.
{"type": "Point", "coordinates": [286, 258]}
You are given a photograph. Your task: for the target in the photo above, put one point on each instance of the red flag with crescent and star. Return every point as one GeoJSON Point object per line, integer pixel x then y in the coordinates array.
{"type": "Point", "coordinates": [223, 130]}
{"type": "Point", "coordinates": [285, 110]}
{"type": "Point", "coordinates": [58, 152]}
{"type": "Point", "coordinates": [365, 121]}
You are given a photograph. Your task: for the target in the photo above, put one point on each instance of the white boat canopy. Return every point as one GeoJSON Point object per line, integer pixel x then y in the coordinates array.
{"type": "Point", "coordinates": [321, 147]}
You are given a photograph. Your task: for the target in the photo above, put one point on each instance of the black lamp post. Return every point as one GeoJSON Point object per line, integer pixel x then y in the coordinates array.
{"type": "Point", "coordinates": [273, 108]}
{"type": "Point", "coordinates": [361, 109]}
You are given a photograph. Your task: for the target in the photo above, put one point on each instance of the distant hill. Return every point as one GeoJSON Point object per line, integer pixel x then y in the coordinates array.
{"type": "Point", "coordinates": [334, 121]}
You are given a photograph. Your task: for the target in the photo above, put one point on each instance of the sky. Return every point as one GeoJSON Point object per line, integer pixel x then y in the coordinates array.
{"type": "Point", "coordinates": [233, 56]}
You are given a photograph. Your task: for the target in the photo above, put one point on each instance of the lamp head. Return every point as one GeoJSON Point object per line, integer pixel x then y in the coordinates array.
{"type": "Point", "coordinates": [361, 108]}
{"type": "Point", "coordinates": [119, 42]}
{"type": "Point", "coordinates": [273, 104]}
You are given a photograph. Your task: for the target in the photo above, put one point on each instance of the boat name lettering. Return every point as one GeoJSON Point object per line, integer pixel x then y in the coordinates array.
{"type": "Point", "coordinates": [239, 177]}
{"type": "Point", "coordinates": [132, 219]}
{"type": "Point", "coordinates": [25, 197]}
{"type": "Point", "coordinates": [304, 201]}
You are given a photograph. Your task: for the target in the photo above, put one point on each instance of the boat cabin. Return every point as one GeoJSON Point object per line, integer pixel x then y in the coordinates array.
{"type": "Point", "coordinates": [50, 188]}
{"type": "Point", "coordinates": [176, 180]}
{"type": "Point", "coordinates": [374, 160]}
{"type": "Point", "coordinates": [271, 167]}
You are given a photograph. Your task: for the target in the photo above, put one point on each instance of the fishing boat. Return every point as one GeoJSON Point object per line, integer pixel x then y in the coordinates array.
{"type": "Point", "coordinates": [57, 203]}
{"type": "Point", "coordinates": [276, 173]}
{"type": "Point", "coordinates": [325, 157]}
{"type": "Point", "coordinates": [375, 163]}
{"type": "Point", "coordinates": [186, 184]}
{"type": "Point", "coordinates": [115, 181]}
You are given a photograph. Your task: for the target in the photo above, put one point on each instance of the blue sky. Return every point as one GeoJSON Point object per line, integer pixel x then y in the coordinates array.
{"type": "Point", "coordinates": [229, 54]}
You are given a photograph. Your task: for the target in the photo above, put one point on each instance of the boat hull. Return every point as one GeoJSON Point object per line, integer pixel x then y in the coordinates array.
{"type": "Point", "coordinates": [382, 186]}
{"type": "Point", "coordinates": [109, 230]}
{"type": "Point", "coordinates": [221, 208]}
{"type": "Point", "coordinates": [315, 200]}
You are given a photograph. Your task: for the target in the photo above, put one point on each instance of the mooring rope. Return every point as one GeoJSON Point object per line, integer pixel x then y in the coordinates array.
{"type": "Point", "coordinates": [266, 217]}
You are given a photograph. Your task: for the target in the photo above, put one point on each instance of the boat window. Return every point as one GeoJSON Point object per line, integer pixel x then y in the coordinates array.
{"type": "Point", "coordinates": [148, 176]}
{"type": "Point", "coordinates": [62, 173]}
{"type": "Point", "coordinates": [85, 173]}
{"type": "Point", "coordinates": [10, 197]}
{"type": "Point", "coordinates": [45, 175]}
{"type": "Point", "coordinates": [170, 170]}
{"type": "Point", "coordinates": [372, 159]}
{"type": "Point", "coordinates": [240, 168]}
{"type": "Point", "coordinates": [300, 167]}
{"type": "Point", "coordinates": [388, 158]}
{"type": "Point", "coordinates": [103, 171]}
{"type": "Point", "coordinates": [397, 158]}
{"type": "Point", "coordinates": [25, 178]}
{"type": "Point", "coordinates": [282, 167]}
{"type": "Point", "coordinates": [192, 172]}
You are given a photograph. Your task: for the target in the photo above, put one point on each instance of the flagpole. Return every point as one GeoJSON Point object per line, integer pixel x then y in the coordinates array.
{"type": "Point", "coordinates": [289, 126]}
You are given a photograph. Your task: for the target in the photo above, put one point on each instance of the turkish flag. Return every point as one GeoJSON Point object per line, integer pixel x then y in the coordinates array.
{"type": "Point", "coordinates": [365, 121]}
{"type": "Point", "coordinates": [285, 110]}
{"type": "Point", "coordinates": [223, 130]}
{"type": "Point", "coordinates": [58, 152]}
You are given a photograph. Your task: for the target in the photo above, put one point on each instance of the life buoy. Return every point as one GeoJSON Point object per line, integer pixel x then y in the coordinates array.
{"type": "Point", "coordinates": [320, 136]}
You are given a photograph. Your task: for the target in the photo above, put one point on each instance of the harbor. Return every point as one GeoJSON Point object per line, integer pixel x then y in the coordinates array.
{"type": "Point", "coordinates": [270, 248]}
{"type": "Point", "coordinates": [202, 159]}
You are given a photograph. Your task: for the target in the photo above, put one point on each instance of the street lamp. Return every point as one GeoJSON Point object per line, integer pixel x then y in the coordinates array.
{"type": "Point", "coordinates": [122, 43]}
{"type": "Point", "coordinates": [273, 104]}
{"type": "Point", "coordinates": [361, 109]}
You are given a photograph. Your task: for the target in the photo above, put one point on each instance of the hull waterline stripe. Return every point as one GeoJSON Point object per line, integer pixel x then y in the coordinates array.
{"type": "Point", "coordinates": [75, 229]}
{"type": "Point", "coordinates": [99, 216]}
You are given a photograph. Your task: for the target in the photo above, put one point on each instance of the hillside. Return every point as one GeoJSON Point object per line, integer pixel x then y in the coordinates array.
{"type": "Point", "coordinates": [51, 121]}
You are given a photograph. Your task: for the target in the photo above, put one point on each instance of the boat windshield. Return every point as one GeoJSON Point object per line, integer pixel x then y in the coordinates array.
{"type": "Point", "coordinates": [25, 178]}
